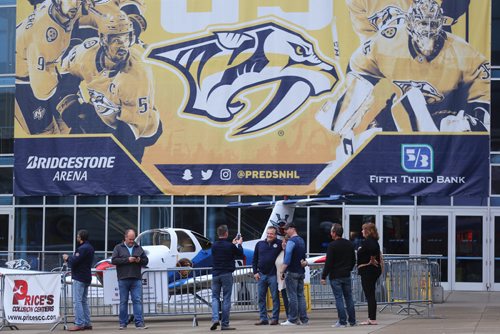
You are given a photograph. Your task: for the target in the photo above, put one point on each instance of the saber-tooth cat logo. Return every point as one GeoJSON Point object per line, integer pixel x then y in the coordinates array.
{"type": "Point", "coordinates": [221, 71]}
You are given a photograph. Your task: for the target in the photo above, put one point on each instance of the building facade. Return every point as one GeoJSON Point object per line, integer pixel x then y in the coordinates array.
{"type": "Point", "coordinates": [465, 231]}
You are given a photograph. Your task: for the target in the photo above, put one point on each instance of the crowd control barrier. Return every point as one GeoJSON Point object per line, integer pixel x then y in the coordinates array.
{"type": "Point", "coordinates": [407, 283]}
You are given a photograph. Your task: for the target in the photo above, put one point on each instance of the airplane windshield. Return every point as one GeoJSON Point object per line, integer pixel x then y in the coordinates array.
{"type": "Point", "coordinates": [155, 238]}
{"type": "Point", "coordinates": [204, 242]}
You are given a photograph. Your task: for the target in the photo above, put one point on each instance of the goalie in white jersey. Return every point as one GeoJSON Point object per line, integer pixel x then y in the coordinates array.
{"type": "Point", "coordinates": [120, 88]}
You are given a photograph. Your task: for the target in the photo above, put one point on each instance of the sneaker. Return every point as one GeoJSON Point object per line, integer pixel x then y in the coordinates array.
{"type": "Point", "coordinates": [288, 323]}
{"type": "Point", "coordinates": [304, 323]}
{"type": "Point", "coordinates": [123, 327]}
{"type": "Point", "coordinates": [227, 328]}
{"type": "Point", "coordinates": [262, 322]}
{"type": "Point", "coordinates": [354, 324]}
{"type": "Point", "coordinates": [76, 328]}
{"type": "Point", "coordinates": [274, 322]}
{"type": "Point", "coordinates": [88, 327]}
{"type": "Point", "coordinates": [141, 327]}
{"type": "Point", "coordinates": [214, 326]}
{"type": "Point", "coordinates": [339, 325]}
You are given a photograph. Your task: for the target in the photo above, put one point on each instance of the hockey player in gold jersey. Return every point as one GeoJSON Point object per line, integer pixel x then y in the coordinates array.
{"type": "Point", "coordinates": [119, 85]}
{"type": "Point", "coordinates": [436, 77]}
{"type": "Point", "coordinates": [135, 10]}
{"type": "Point", "coordinates": [371, 16]}
{"type": "Point", "coordinates": [42, 39]}
{"type": "Point", "coordinates": [407, 78]}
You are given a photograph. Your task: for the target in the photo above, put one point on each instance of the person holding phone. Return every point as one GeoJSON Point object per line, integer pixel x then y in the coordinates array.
{"type": "Point", "coordinates": [224, 254]}
{"type": "Point", "coordinates": [129, 258]}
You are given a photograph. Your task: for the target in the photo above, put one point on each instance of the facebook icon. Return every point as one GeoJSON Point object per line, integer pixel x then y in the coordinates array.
{"type": "Point", "coordinates": [417, 158]}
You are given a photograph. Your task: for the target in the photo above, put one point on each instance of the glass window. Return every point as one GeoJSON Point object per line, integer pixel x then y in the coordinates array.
{"type": "Point", "coordinates": [435, 240]}
{"type": "Point", "coordinates": [189, 199]}
{"type": "Point", "coordinates": [322, 220]}
{"type": "Point", "coordinates": [4, 232]}
{"type": "Point", "coordinates": [59, 234]}
{"type": "Point", "coordinates": [433, 200]}
{"type": "Point", "coordinates": [94, 221]}
{"type": "Point", "coordinates": [7, 40]}
{"type": "Point", "coordinates": [123, 199]}
{"type": "Point", "coordinates": [90, 200]}
{"type": "Point", "coordinates": [249, 199]}
{"type": "Point", "coordinates": [184, 242]}
{"type": "Point", "coordinates": [6, 181]}
{"type": "Point", "coordinates": [28, 233]}
{"type": "Point", "coordinates": [29, 200]}
{"type": "Point", "coordinates": [204, 242]}
{"type": "Point", "coordinates": [6, 114]}
{"type": "Point", "coordinates": [469, 253]}
{"type": "Point", "coordinates": [221, 199]}
{"type": "Point", "coordinates": [497, 249]}
{"type": "Point", "coordinates": [119, 220]}
{"type": "Point", "coordinates": [156, 199]}
{"type": "Point", "coordinates": [396, 234]}
{"type": "Point", "coordinates": [155, 218]}
{"type": "Point", "coordinates": [495, 180]}
{"type": "Point", "coordinates": [400, 200]}
{"type": "Point", "coordinates": [253, 222]}
{"type": "Point", "coordinates": [59, 200]}
{"type": "Point", "coordinates": [189, 218]}
{"type": "Point", "coordinates": [219, 216]}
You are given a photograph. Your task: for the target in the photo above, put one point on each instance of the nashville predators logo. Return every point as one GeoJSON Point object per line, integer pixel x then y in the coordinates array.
{"type": "Point", "coordinates": [225, 70]}
{"type": "Point", "coordinates": [430, 93]}
{"type": "Point", "coordinates": [389, 16]}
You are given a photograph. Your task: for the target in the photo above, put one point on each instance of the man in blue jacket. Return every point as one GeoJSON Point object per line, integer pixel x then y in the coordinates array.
{"type": "Point", "coordinates": [224, 253]}
{"type": "Point", "coordinates": [80, 264]}
{"type": "Point", "coordinates": [264, 272]}
{"type": "Point", "coordinates": [293, 269]}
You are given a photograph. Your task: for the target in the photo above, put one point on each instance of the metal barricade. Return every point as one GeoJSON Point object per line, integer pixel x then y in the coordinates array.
{"type": "Point", "coordinates": [406, 282]}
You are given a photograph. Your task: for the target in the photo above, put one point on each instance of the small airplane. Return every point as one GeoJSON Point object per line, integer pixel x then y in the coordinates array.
{"type": "Point", "coordinates": [177, 247]}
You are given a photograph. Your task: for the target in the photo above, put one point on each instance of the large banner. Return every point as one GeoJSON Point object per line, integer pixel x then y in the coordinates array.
{"type": "Point", "coordinates": [219, 97]}
{"type": "Point", "coordinates": [31, 298]}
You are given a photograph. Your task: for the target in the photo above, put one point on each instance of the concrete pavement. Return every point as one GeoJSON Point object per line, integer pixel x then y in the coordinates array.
{"type": "Point", "coordinates": [462, 312]}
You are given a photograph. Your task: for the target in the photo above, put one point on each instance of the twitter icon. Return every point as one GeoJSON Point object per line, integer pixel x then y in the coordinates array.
{"type": "Point", "coordinates": [206, 175]}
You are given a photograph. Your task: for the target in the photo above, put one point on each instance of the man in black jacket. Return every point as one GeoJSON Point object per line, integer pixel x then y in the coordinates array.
{"type": "Point", "coordinates": [224, 253]}
{"type": "Point", "coordinates": [129, 258]}
{"type": "Point", "coordinates": [80, 264]}
{"type": "Point", "coordinates": [264, 272]}
{"type": "Point", "coordinates": [340, 259]}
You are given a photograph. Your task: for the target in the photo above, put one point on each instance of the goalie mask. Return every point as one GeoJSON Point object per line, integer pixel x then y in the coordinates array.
{"type": "Point", "coordinates": [116, 36]}
{"type": "Point", "coordinates": [425, 23]}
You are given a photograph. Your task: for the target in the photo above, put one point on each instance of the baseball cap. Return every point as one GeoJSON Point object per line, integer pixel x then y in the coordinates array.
{"type": "Point", "coordinates": [288, 225]}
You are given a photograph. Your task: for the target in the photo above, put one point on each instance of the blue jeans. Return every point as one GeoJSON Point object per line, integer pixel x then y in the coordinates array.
{"type": "Point", "coordinates": [80, 303]}
{"type": "Point", "coordinates": [134, 287]}
{"type": "Point", "coordinates": [296, 300]}
{"type": "Point", "coordinates": [341, 288]}
{"type": "Point", "coordinates": [224, 282]}
{"type": "Point", "coordinates": [268, 281]}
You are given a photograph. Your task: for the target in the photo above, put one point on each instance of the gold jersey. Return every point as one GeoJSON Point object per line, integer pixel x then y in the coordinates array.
{"type": "Point", "coordinates": [370, 16]}
{"type": "Point", "coordinates": [452, 77]}
{"type": "Point", "coordinates": [41, 41]}
{"type": "Point", "coordinates": [125, 94]}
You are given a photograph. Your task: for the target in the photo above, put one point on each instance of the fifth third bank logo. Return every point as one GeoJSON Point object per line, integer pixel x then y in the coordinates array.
{"type": "Point", "coordinates": [417, 158]}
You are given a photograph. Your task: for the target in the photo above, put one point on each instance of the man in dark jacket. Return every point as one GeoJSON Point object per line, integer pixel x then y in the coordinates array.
{"type": "Point", "coordinates": [80, 264]}
{"type": "Point", "coordinates": [224, 253]}
{"type": "Point", "coordinates": [264, 272]}
{"type": "Point", "coordinates": [129, 258]}
{"type": "Point", "coordinates": [340, 259]}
